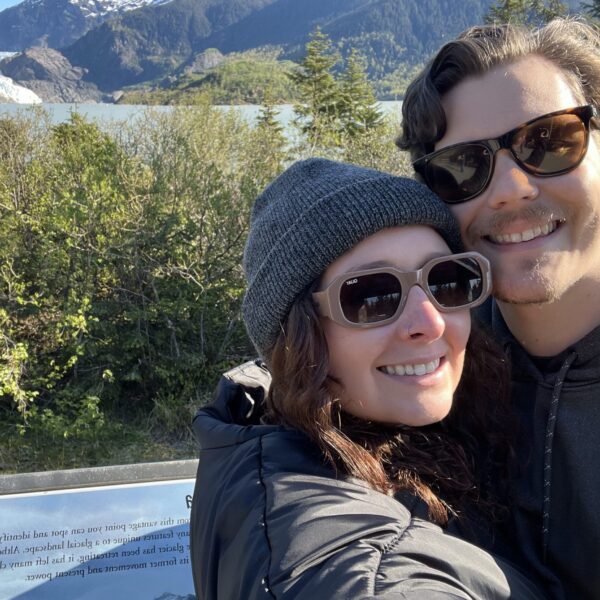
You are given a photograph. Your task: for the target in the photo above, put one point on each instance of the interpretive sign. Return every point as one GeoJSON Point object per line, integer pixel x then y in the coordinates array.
{"type": "Point", "coordinates": [123, 534]}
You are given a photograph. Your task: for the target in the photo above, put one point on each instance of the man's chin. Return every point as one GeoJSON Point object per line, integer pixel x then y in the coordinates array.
{"type": "Point", "coordinates": [524, 294]}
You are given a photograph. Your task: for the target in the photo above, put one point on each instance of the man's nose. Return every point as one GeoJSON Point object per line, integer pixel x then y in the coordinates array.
{"type": "Point", "coordinates": [510, 184]}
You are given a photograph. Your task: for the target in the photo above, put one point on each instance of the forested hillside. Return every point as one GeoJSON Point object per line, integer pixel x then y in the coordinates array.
{"type": "Point", "coordinates": [149, 43]}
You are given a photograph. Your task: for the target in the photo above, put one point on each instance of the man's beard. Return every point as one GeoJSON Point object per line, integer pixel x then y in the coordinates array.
{"type": "Point", "coordinates": [545, 287]}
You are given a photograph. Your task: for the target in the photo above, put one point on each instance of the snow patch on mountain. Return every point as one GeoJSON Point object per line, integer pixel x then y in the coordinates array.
{"type": "Point", "coordinates": [11, 92]}
{"type": "Point", "coordinates": [101, 8]}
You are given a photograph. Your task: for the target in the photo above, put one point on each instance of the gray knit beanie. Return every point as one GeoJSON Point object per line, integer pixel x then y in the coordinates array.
{"type": "Point", "coordinates": [314, 212]}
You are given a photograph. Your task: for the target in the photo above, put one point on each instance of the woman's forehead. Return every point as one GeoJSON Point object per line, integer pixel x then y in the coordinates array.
{"type": "Point", "coordinates": [405, 248]}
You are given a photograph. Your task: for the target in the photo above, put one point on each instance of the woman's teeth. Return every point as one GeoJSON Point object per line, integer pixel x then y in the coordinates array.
{"type": "Point", "coordinates": [524, 236]}
{"type": "Point", "coordinates": [418, 369]}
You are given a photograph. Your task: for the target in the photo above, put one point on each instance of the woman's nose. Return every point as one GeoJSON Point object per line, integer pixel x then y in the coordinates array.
{"type": "Point", "coordinates": [420, 319]}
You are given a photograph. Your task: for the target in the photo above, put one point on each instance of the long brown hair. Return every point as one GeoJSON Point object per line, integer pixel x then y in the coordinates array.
{"type": "Point", "coordinates": [573, 46]}
{"type": "Point", "coordinates": [440, 463]}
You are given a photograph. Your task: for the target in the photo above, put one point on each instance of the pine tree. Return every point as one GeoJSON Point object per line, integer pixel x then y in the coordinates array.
{"type": "Point", "coordinates": [360, 111]}
{"type": "Point", "coordinates": [272, 134]}
{"type": "Point", "coordinates": [531, 13]}
{"type": "Point", "coordinates": [544, 11]}
{"type": "Point", "coordinates": [507, 11]}
{"type": "Point", "coordinates": [319, 109]}
{"type": "Point", "coordinates": [592, 9]}
{"type": "Point", "coordinates": [267, 116]}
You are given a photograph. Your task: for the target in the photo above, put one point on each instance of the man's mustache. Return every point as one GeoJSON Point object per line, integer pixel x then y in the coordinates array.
{"type": "Point", "coordinates": [498, 223]}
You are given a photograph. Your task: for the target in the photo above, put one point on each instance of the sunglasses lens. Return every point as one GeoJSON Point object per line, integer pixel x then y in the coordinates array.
{"type": "Point", "coordinates": [460, 172]}
{"type": "Point", "coordinates": [551, 144]}
{"type": "Point", "coordinates": [370, 298]}
{"type": "Point", "coordinates": [456, 282]}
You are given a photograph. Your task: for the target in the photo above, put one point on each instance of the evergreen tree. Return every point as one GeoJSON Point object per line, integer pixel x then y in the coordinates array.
{"type": "Point", "coordinates": [272, 133]}
{"type": "Point", "coordinates": [360, 111]}
{"type": "Point", "coordinates": [507, 11]}
{"type": "Point", "coordinates": [545, 11]}
{"type": "Point", "coordinates": [319, 109]}
{"type": "Point", "coordinates": [267, 116]}
{"type": "Point", "coordinates": [592, 9]}
{"type": "Point", "coordinates": [530, 13]}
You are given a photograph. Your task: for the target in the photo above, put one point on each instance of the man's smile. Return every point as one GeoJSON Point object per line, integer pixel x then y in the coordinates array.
{"type": "Point", "coordinates": [525, 235]}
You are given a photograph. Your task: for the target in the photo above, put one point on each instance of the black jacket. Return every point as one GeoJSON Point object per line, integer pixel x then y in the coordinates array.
{"type": "Point", "coordinates": [556, 491]}
{"type": "Point", "coordinates": [271, 520]}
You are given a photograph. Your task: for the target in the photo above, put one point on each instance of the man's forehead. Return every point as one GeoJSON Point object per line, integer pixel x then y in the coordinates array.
{"type": "Point", "coordinates": [504, 97]}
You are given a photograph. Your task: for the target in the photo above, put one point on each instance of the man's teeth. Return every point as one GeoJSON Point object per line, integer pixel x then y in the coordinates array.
{"type": "Point", "coordinates": [418, 369]}
{"type": "Point", "coordinates": [524, 236]}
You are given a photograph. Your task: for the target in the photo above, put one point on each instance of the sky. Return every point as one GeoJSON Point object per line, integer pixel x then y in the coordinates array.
{"type": "Point", "coordinates": [6, 3]}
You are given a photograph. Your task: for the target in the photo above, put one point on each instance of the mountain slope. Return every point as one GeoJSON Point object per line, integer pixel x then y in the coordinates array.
{"type": "Point", "coordinates": [150, 43]}
{"type": "Point", "coordinates": [386, 31]}
{"type": "Point", "coordinates": [57, 23]}
{"type": "Point", "coordinates": [159, 39]}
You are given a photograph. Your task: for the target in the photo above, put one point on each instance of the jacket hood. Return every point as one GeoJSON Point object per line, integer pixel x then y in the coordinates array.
{"type": "Point", "coordinates": [234, 415]}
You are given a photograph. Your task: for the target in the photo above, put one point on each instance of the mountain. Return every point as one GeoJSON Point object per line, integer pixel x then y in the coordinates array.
{"type": "Point", "coordinates": [386, 32]}
{"type": "Point", "coordinates": [48, 74]}
{"type": "Point", "coordinates": [417, 25]}
{"type": "Point", "coordinates": [58, 23]}
{"type": "Point", "coordinates": [150, 43]}
{"type": "Point", "coordinates": [162, 38]}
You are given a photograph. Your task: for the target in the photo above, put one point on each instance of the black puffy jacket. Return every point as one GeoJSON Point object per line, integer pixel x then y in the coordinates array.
{"type": "Point", "coordinates": [271, 520]}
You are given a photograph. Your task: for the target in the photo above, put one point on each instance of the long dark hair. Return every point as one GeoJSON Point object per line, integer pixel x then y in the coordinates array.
{"type": "Point", "coordinates": [445, 464]}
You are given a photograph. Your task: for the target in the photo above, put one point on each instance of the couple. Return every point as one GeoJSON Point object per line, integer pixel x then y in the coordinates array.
{"type": "Point", "coordinates": [361, 473]}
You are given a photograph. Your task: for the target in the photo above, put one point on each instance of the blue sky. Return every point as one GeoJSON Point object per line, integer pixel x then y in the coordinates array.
{"type": "Point", "coordinates": [6, 3]}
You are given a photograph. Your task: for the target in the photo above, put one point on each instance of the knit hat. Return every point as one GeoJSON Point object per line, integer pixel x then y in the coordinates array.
{"type": "Point", "coordinates": [314, 212]}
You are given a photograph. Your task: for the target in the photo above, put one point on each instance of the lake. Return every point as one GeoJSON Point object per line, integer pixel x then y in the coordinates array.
{"type": "Point", "coordinates": [103, 113]}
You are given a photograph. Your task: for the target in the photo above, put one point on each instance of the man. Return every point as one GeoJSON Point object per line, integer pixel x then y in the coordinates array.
{"type": "Point", "coordinates": [528, 198]}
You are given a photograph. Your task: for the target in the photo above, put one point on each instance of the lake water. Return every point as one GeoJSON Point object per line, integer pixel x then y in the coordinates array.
{"type": "Point", "coordinates": [103, 113]}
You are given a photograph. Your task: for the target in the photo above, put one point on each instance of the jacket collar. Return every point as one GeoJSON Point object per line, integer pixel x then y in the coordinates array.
{"type": "Point", "coordinates": [586, 365]}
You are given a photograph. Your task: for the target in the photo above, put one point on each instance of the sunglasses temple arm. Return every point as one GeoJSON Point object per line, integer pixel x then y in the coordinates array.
{"type": "Point", "coordinates": [489, 280]}
{"type": "Point", "coordinates": [321, 299]}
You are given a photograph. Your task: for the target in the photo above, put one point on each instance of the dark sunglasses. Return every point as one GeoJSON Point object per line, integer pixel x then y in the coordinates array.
{"type": "Point", "coordinates": [377, 296]}
{"type": "Point", "coordinates": [546, 146]}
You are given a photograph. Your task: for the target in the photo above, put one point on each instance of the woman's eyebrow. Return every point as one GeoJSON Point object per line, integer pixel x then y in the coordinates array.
{"type": "Point", "coordinates": [386, 263]}
{"type": "Point", "coordinates": [371, 265]}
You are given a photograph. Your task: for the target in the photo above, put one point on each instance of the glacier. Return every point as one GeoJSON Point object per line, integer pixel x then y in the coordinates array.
{"type": "Point", "coordinates": [11, 92]}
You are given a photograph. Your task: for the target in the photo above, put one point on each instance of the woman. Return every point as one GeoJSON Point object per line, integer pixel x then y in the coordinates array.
{"type": "Point", "coordinates": [338, 483]}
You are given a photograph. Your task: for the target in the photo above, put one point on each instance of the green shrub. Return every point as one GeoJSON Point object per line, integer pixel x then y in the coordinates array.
{"type": "Point", "coordinates": [121, 278]}
{"type": "Point", "coordinates": [121, 281]}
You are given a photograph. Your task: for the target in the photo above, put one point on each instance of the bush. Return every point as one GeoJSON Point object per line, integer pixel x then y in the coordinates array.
{"type": "Point", "coordinates": [121, 278]}
{"type": "Point", "coordinates": [120, 274]}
